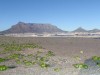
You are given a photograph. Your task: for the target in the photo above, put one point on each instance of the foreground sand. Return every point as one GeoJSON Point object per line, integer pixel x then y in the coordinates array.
{"type": "Point", "coordinates": [65, 50]}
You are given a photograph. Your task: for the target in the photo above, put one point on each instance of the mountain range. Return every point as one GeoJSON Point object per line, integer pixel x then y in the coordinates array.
{"type": "Point", "coordinates": [22, 27]}
{"type": "Point", "coordinates": [80, 29]}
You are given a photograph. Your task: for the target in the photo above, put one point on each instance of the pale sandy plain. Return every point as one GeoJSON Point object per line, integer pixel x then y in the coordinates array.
{"type": "Point", "coordinates": [65, 49]}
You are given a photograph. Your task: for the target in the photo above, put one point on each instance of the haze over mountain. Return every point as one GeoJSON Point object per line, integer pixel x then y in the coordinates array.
{"type": "Point", "coordinates": [22, 27]}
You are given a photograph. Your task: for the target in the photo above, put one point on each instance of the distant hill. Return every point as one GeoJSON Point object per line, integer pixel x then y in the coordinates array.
{"type": "Point", "coordinates": [80, 29]}
{"type": "Point", "coordinates": [94, 30]}
{"type": "Point", "coordinates": [22, 27]}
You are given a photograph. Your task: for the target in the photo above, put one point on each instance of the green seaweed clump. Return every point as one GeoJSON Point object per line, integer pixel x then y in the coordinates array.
{"type": "Point", "coordinates": [3, 67]}
{"type": "Point", "coordinates": [96, 59]}
{"type": "Point", "coordinates": [50, 53]}
{"type": "Point", "coordinates": [44, 65]}
{"type": "Point", "coordinates": [81, 65]}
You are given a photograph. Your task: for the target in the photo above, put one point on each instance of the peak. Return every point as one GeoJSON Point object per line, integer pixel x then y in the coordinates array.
{"type": "Point", "coordinates": [80, 28]}
{"type": "Point", "coordinates": [20, 22]}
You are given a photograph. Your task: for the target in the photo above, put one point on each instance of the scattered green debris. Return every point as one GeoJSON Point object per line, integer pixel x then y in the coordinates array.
{"type": "Point", "coordinates": [57, 69]}
{"type": "Point", "coordinates": [81, 65]}
{"type": "Point", "coordinates": [29, 63]}
{"type": "Point", "coordinates": [50, 53]}
{"type": "Point", "coordinates": [18, 47]}
{"type": "Point", "coordinates": [96, 58]}
{"type": "Point", "coordinates": [15, 56]}
{"type": "Point", "coordinates": [31, 59]}
{"type": "Point", "coordinates": [28, 60]}
{"type": "Point", "coordinates": [44, 65]}
{"type": "Point", "coordinates": [42, 61]}
{"type": "Point", "coordinates": [18, 61]}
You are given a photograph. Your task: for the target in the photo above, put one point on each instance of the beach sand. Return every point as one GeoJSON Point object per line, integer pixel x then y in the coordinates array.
{"type": "Point", "coordinates": [65, 49]}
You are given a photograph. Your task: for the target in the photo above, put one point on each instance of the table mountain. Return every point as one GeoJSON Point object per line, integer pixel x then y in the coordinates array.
{"type": "Point", "coordinates": [22, 27]}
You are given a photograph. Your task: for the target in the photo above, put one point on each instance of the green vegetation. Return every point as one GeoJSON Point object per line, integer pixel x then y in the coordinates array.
{"type": "Point", "coordinates": [44, 65]}
{"type": "Point", "coordinates": [3, 67]}
{"type": "Point", "coordinates": [2, 60]}
{"type": "Point", "coordinates": [42, 60]}
{"type": "Point", "coordinates": [28, 63]}
{"type": "Point", "coordinates": [57, 69]}
{"type": "Point", "coordinates": [12, 47]}
{"type": "Point", "coordinates": [80, 65]}
{"type": "Point", "coordinates": [15, 56]}
{"type": "Point", "coordinates": [29, 60]}
{"type": "Point", "coordinates": [96, 59]}
{"type": "Point", "coordinates": [18, 47]}
{"type": "Point", "coordinates": [50, 53]}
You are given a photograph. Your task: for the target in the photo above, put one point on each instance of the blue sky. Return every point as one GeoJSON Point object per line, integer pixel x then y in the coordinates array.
{"type": "Point", "coordinates": [65, 14]}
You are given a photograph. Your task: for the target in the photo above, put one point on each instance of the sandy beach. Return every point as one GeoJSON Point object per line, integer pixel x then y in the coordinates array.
{"type": "Point", "coordinates": [65, 49]}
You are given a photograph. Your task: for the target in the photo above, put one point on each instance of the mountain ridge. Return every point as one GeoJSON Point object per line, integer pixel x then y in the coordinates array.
{"type": "Point", "coordinates": [22, 27]}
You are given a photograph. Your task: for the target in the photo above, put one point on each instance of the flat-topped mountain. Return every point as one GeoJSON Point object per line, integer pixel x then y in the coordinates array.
{"type": "Point", "coordinates": [22, 27]}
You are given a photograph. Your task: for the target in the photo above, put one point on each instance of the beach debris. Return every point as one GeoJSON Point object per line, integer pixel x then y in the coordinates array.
{"type": "Point", "coordinates": [96, 58]}
{"type": "Point", "coordinates": [80, 66]}
{"type": "Point", "coordinates": [50, 53]}
{"type": "Point", "coordinates": [44, 65]}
